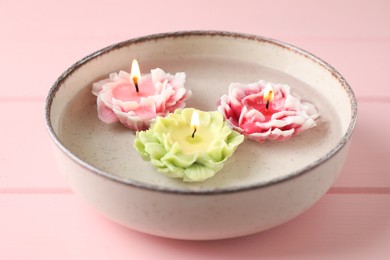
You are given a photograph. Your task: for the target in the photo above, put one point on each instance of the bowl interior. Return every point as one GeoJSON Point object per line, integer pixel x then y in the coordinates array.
{"type": "Point", "coordinates": [211, 62]}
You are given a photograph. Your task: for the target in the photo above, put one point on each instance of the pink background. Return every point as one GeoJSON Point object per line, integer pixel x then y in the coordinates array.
{"type": "Point", "coordinates": [40, 217]}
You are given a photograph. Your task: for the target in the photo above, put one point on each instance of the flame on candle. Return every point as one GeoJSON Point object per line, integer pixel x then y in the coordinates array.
{"type": "Point", "coordinates": [194, 122]}
{"type": "Point", "coordinates": [135, 74]}
{"type": "Point", "coordinates": [268, 95]}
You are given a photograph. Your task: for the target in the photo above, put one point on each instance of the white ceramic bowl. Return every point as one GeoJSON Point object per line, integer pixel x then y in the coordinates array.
{"type": "Point", "coordinates": [261, 185]}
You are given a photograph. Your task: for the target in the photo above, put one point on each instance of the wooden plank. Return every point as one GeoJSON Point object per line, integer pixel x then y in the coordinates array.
{"type": "Point", "coordinates": [62, 227]}
{"type": "Point", "coordinates": [303, 18]}
{"type": "Point", "coordinates": [26, 157]}
{"type": "Point", "coordinates": [354, 47]}
{"type": "Point", "coordinates": [368, 162]}
{"type": "Point", "coordinates": [28, 164]}
{"type": "Point", "coordinates": [36, 68]}
{"type": "Point", "coordinates": [355, 60]}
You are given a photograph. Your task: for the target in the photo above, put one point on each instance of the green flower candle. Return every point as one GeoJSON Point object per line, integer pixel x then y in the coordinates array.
{"type": "Point", "coordinates": [189, 144]}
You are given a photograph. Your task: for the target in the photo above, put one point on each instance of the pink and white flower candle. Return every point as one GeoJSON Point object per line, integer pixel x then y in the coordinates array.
{"type": "Point", "coordinates": [135, 101]}
{"type": "Point", "coordinates": [266, 111]}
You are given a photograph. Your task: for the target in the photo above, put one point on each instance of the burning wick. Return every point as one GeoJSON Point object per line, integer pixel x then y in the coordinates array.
{"type": "Point", "coordinates": [268, 95]}
{"type": "Point", "coordinates": [135, 74]}
{"type": "Point", "coordinates": [194, 122]}
{"type": "Point", "coordinates": [135, 80]}
{"type": "Point", "coordinates": [193, 133]}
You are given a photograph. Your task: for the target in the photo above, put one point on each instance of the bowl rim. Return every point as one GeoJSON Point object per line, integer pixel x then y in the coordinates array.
{"type": "Point", "coordinates": [199, 33]}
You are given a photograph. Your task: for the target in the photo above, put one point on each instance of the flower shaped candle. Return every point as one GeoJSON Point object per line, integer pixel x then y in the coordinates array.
{"type": "Point", "coordinates": [188, 144]}
{"type": "Point", "coordinates": [264, 111]}
{"type": "Point", "coordinates": [135, 101]}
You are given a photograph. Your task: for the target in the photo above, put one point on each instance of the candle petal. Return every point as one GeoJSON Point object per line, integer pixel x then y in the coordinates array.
{"type": "Point", "coordinates": [197, 173]}
{"type": "Point", "coordinates": [178, 159]}
{"type": "Point", "coordinates": [155, 150]}
{"type": "Point", "coordinates": [105, 113]}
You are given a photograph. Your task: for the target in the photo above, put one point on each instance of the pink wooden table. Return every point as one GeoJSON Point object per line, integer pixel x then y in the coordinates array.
{"type": "Point", "coordinates": [40, 217]}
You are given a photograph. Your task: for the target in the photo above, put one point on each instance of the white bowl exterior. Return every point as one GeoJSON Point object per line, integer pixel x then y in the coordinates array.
{"type": "Point", "coordinates": [202, 216]}
{"type": "Point", "coordinates": [208, 215]}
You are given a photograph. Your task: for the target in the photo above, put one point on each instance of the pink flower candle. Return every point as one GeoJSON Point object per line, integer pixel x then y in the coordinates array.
{"type": "Point", "coordinates": [265, 111]}
{"type": "Point", "coordinates": [135, 101]}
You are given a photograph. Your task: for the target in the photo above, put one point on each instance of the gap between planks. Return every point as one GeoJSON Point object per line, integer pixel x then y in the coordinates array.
{"type": "Point", "coordinates": [365, 99]}
{"type": "Point", "coordinates": [333, 190]}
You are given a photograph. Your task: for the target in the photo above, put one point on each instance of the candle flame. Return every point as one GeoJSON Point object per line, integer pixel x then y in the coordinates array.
{"type": "Point", "coordinates": [194, 122]}
{"type": "Point", "coordinates": [195, 119]}
{"type": "Point", "coordinates": [135, 74]}
{"type": "Point", "coordinates": [268, 96]}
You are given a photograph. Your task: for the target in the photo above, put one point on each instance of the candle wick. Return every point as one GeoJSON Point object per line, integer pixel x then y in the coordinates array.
{"type": "Point", "coordinates": [135, 80]}
{"type": "Point", "coordinates": [267, 104]}
{"type": "Point", "coordinates": [193, 134]}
